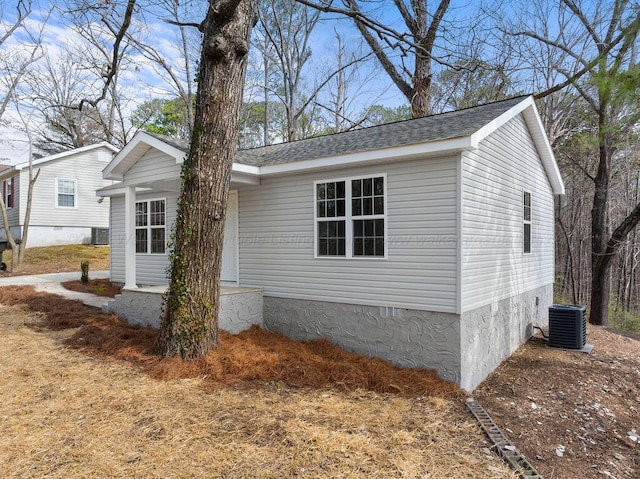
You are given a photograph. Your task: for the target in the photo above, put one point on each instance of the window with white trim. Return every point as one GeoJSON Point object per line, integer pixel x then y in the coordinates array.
{"type": "Point", "coordinates": [350, 217]}
{"type": "Point", "coordinates": [66, 193]}
{"type": "Point", "coordinates": [526, 222]}
{"type": "Point", "coordinates": [7, 192]}
{"type": "Point", "coordinates": [150, 226]}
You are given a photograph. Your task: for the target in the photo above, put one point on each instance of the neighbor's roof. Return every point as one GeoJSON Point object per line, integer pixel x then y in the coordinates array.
{"type": "Point", "coordinates": [64, 154]}
{"type": "Point", "coordinates": [436, 134]}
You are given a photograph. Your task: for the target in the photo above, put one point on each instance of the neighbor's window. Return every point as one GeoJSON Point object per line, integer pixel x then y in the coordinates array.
{"type": "Point", "coordinates": [66, 193]}
{"type": "Point", "coordinates": [526, 222]}
{"type": "Point", "coordinates": [150, 226]}
{"type": "Point", "coordinates": [7, 192]}
{"type": "Point", "coordinates": [350, 217]}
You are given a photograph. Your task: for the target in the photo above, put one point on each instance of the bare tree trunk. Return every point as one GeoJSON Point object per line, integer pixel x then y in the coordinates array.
{"type": "Point", "coordinates": [190, 324]}
{"type": "Point", "coordinates": [12, 242]}
{"type": "Point", "coordinates": [27, 213]}
{"type": "Point", "coordinates": [599, 228]}
{"type": "Point", "coordinates": [265, 131]}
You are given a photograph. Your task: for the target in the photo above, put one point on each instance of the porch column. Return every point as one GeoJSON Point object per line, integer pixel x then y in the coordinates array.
{"type": "Point", "coordinates": [130, 237]}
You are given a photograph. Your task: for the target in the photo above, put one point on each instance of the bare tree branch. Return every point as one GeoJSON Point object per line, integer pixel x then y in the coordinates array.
{"type": "Point", "coordinates": [112, 69]}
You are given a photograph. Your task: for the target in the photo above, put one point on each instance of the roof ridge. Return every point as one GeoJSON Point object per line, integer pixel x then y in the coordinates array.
{"type": "Point", "coordinates": [366, 128]}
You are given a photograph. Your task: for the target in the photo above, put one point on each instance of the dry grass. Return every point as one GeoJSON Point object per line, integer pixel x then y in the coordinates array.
{"type": "Point", "coordinates": [58, 259]}
{"type": "Point", "coordinates": [68, 414]}
{"type": "Point", "coordinates": [99, 287]}
{"type": "Point", "coordinates": [253, 355]}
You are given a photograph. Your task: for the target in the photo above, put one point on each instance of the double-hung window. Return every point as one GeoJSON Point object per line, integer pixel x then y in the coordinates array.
{"type": "Point", "coordinates": [526, 222]}
{"type": "Point", "coordinates": [350, 217]}
{"type": "Point", "coordinates": [7, 192]}
{"type": "Point", "coordinates": [66, 193]}
{"type": "Point", "coordinates": [150, 226]}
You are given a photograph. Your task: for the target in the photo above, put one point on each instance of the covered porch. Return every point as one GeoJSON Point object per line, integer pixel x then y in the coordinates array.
{"type": "Point", "coordinates": [143, 203]}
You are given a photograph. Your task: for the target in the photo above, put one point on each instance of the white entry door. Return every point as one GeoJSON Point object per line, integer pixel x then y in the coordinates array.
{"type": "Point", "coordinates": [230, 249]}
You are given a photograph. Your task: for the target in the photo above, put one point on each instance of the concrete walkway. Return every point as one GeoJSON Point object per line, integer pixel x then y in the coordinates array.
{"type": "Point", "coordinates": [51, 283]}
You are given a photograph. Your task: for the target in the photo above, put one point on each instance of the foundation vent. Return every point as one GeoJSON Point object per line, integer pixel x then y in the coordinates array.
{"type": "Point", "coordinates": [567, 326]}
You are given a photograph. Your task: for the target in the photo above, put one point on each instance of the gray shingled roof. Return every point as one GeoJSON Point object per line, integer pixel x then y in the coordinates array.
{"type": "Point", "coordinates": [455, 124]}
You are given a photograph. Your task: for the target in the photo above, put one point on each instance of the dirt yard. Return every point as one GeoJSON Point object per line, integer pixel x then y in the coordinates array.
{"type": "Point", "coordinates": [574, 415]}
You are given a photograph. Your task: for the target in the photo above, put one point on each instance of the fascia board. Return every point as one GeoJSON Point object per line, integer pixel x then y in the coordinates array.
{"type": "Point", "coordinates": [126, 158]}
{"type": "Point", "coordinates": [501, 120]}
{"type": "Point", "coordinates": [389, 154]}
{"type": "Point", "coordinates": [530, 113]}
{"type": "Point", "coordinates": [534, 122]}
{"type": "Point", "coordinates": [118, 190]}
{"type": "Point", "coordinates": [112, 190]}
{"type": "Point", "coordinates": [246, 169]}
{"type": "Point", "coordinates": [240, 168]}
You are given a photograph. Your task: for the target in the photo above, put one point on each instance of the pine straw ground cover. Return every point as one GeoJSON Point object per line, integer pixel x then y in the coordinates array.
{"type": "Point", "coordinates": [99, 287]}
{"type": "Point", "coordinates": [82, 397]}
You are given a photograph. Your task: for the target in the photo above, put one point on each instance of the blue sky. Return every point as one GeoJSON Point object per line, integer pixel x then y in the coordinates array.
{"type": "Point", "coordinates": [141, 81]}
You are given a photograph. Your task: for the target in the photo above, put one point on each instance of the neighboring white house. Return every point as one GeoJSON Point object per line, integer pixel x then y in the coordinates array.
{"type": "Point", "coordinates": [428, 242]}
{"type": "Point", "coordinates": [64, 208]}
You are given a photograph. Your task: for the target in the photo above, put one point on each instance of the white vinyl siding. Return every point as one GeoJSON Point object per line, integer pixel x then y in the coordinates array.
{"type": "Point", "coordinates": [83, 167]}
{"type": "Point", "coordinates": [494, 178]}
{"type": "Point", "coordinates": [154, 165]}
{"type": "Point", "coordinates": [276, 228]}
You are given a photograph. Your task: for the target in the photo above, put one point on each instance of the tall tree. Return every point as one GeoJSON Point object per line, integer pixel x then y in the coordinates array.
{"type": "Point", "coordinates": [598, 43]}
{"type": "Point", "coordinates": [287, 26]}
{"type": "Point", "coordinates": [16, 63]}
{"type": "Point", "coordinates": [56, 89]}
{"type": "Point", "coordinates": [174, 65]}
{"type": "Point", "coordinates": [168, 117]}
{"type": "Point", "coordinates": [410, 53]}
{"type": "Point", "coordinates": [190, 323]}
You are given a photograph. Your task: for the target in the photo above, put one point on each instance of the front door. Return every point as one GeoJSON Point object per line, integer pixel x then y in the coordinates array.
{"type": "Point", "coordinates": [230, 249]}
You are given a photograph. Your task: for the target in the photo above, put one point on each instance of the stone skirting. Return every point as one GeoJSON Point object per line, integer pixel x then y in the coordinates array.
{"type": "Point", "coordinates": [463, 349]}
{"type": "Point", "coordinates": [404, 337]}
{"type": "Point", "coordinates": [491, 333]}
{"type": "Point", "coordinates": [240, 308]}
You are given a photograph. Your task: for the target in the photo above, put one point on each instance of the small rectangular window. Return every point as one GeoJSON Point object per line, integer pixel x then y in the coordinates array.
{"type": "Point", "coordinates": [7, 192]}
{"type": "Point", "coordinates": [526, 222]}
{"type": "Point", "coordinates": [150, 221]}
{"type": "Point", "coordinates": [66, 193]}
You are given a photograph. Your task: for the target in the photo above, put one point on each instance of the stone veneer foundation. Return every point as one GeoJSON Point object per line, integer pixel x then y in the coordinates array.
{"type": "Point", "coordinates": [492, 333]}
{"type": "Point", "coordinates": [462, 349]}
{"type": "Point", "coordinates": [407, 338]}
{"type": "Point", "coordinates": [240, 308]}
